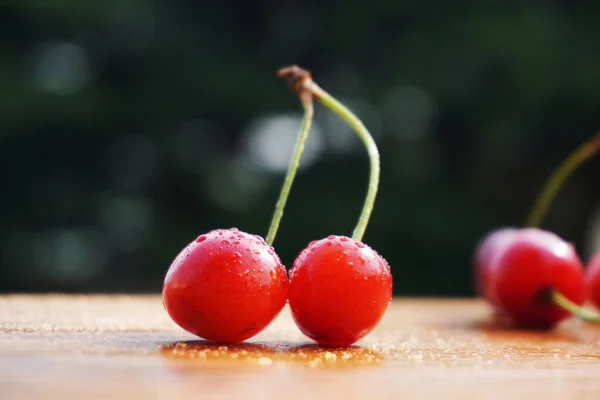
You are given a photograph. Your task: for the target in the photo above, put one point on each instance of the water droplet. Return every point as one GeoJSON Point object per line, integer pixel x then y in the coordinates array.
{"type": "Point", "coordinates": [254, 260]}
{"type": "Point", "coordinates": [312, 244]}
{"type": "Point", "coordinates": [331, 237]}
{"type": "Point", "coordinates": [273, 274]}
{"type": "Point", "coordinates": [350, 264]}
{"type": "Point", "coordinates": [360, 245]}
{"type": "Point", "coordinates": [271, 251]}
{"type": "Point", "coordinates": [366, 278]}
{"type": "Point", "coordinates": [225, 241]}
{"type": "Point", "coordinates": [361, 260]}
{"type": "Point", "coordinates": [256, 251]}
{"type": "Point", "coordinates": [236, 242]}
{"type": "Point", "coordinates": [329, 243]}
{"type": "Point", "coordinates": [345, 252]}
{"type": "Point", "coordinates": [234, 230]}
{"type": "Point", "coordinates": [344, 239]}
{"type": "Point", "coordinates": [201, 239]}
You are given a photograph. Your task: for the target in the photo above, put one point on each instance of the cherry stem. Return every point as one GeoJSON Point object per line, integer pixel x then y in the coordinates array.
{"type": "Point", "coordinates": [356, 124]}
{"type": "Point", "coordinates": [558, 177]}
{"type": "Point", "coordinates": [307, 104]}
{"type": "Point", "coordinates": [561, 301]}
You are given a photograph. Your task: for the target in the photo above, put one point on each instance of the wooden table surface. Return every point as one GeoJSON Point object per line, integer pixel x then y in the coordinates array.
{"type": "Point", "coordinates": [56, 346]}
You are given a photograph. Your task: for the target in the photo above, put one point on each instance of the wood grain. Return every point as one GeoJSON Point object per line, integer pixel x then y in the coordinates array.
{"type": "Point", "coordinates": [56, 346]}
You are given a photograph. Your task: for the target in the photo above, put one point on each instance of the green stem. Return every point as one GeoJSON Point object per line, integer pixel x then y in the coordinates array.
{"type": "Point", "coordinates": [307, 103]}
{"type": "Point", "coordinates": [567, 305]}
{"type": "Point", "coordinates": [556, 180]}
{"type": "Point", "coordinates": [362, 132]}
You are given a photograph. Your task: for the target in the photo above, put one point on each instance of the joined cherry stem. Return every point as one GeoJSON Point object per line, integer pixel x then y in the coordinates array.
{"type": "Point", "coordinates": [581, 312]}
{"type": "Point", "coordinates": [301, 81]}
{"type": "Point", "coordinates": [558, 177]}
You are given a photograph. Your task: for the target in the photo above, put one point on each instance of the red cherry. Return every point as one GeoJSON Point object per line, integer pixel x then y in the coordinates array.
{"type": "Point", "coordinates": [534, 263]}
{"type": "Point", "coordinates": [592, 276]}
{"type": "Point", "coordinates": [487, 251]}
{"type": "Point", "coordinates": [339, 290]}
{"type": "Point", "coordinates": [226, 286]}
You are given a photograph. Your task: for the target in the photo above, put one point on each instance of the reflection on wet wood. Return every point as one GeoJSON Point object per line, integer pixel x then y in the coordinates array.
{"type": "Point", "coordinates": [126, 347]}
{"type": "Point", "coordinates": [265, 354]}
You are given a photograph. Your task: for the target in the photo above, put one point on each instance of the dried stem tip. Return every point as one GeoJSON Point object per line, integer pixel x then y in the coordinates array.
{"type": "Point", "coordinates": [297, 78]}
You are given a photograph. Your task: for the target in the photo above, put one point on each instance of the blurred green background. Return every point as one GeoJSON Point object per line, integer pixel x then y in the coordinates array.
{"type": "Point", "coordinates": [129, 127]}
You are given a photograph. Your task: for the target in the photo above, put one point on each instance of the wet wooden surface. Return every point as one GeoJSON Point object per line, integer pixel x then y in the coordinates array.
{"type": "Point", "coordinates": [126, 347]}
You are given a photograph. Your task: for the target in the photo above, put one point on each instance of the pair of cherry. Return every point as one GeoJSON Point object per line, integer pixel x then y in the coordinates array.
{"type": "Point", "coordinates": [534, 276]}
{"type": "Point", "coordinates": [228, 285]}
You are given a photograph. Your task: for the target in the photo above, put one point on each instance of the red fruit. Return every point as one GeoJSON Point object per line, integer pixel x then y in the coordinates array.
{"type": "Point", "coordinates": [226, 286]}
{"type": "Point", "coordinates": [487, 251]}
{"type": "Point", "coordinates": [534, 263]}
{"type": "Point", "coordinates": [592, 275]}
{"type": "Point", "coordinates": [339, 290]}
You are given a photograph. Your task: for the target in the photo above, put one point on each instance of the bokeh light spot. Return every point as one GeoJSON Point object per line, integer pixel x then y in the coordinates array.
{"type": "Point", "coordinates": [269, 142]}
{"type": "Point", "coordinates": [235, 186]}
{"type": "Point", "coordinates": [61, 68]}
{"type": "Point", "coordinates": [409, 112]}
{"type": "Point", "coordinates": [127, 220]}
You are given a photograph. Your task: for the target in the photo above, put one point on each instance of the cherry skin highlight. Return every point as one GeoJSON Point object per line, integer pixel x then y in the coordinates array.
{"type": "Point", "coordinates": [486, 253]}
{"type": "Point", "coordinates": [339, 290]}
{"type": "Point", "coordinates": [226, 286]}
{"type": "Point", "coordinates": [534, 263]}
{"type": "Point", "coordinates": [592, 276]}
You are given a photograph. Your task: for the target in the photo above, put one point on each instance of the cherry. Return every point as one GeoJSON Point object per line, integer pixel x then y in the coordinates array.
{"type": "Point", "coordinates": [517, 270]}
{"type": "Point", "coordinates": [339, 287]}
{"type": "Point", "coordinates": [592, 275]}
{"type": "Point", "coordinates": [225, 286]}
{"type": "Point", "coordinates": [487, 250]}
{"type": "Point", "coordinates": [535, 265]}
{"type": "Point", "coordinates": [228, 285]}
{"type": "Point", "coordinates": [339, 290]}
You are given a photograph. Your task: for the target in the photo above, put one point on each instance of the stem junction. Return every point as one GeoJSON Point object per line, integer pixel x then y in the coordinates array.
{"type": "Point", "coordinates": [581, 312]}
